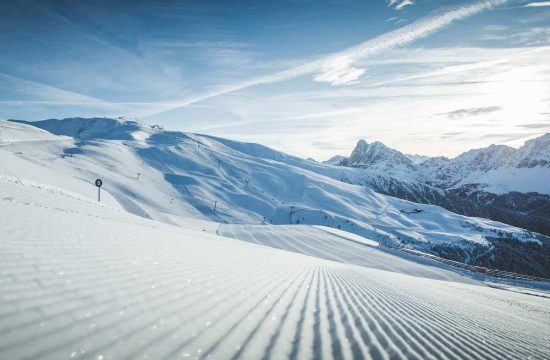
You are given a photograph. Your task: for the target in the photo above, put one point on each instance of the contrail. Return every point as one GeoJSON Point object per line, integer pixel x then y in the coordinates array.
{"type": "Point", "coordinates": [342, 61]}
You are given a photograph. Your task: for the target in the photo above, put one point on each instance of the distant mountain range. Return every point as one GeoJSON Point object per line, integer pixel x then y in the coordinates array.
{"type": "Point", "coordinates": [497, 182]}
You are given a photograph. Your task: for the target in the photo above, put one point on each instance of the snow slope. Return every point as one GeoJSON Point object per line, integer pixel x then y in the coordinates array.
{"type": "Point", "coordinates": [49, 162]}
{"type": "Point", "coordinates": [80, 279]}
{"type": "Point", "coordinates": [188, 175]}
{"type": "Point", "coordinates": [13, 132]}
{"type": "Point", "coordinates": [335, 160]}
{"type": "Point", "coordinates": [336, 245]}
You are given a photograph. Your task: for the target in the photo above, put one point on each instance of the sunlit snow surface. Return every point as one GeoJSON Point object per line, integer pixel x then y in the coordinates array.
{"type": "Point", "coordinates": [83, 280]}
{"type": "Point", "coordinates": [184, 174]}
{"type": "Point", "coordinates": [328, 244]}
{"type": "Point", "coordinates": [80, 279]}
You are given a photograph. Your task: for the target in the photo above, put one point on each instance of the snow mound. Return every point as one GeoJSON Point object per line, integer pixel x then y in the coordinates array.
{"type": "Point", "coordinates": [11, 132]}
{"type": "Point", "coordinates": [93, 128]}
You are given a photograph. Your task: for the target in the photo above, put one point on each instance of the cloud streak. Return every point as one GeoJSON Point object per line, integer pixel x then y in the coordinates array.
{"type": "Point", "coordinates": [400, 4]}
{"type": "Point", "coordinates": [45, 93]}
{"type": "Point", "coordinates": [338, 68]}
{"type": "Point", "coordinates": [538, 4]}
{"type": "Point", "coordinates": [455, 69]}
{"type": "Point", "coordinates": [463, 113]}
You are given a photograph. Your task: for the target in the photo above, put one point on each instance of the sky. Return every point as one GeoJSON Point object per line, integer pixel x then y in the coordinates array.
{"type": "Point", "coordinates": [311, 78]}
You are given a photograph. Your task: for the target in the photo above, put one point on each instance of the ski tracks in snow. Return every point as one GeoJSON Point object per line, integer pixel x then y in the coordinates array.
{"type": "Point", "coordinates": [317, 311]}
{"type": "Point", "coordinates": [73, 286]}
{"type": "Point", "coordinates": [309, 240]}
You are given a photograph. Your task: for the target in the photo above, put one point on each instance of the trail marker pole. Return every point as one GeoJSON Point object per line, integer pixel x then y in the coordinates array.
{"type": "Point", "coordinates": [98, 183]}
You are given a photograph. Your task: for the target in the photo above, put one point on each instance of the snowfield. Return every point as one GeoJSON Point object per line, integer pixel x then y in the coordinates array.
{"type": "Point", "coordinates": [82, 280]}
{"type": "Point", "coordinates": [187, 175]}
{"type": "Point", "coordinates": [154, 272]}
{"type": "Point", "coordinates": [325, 244]}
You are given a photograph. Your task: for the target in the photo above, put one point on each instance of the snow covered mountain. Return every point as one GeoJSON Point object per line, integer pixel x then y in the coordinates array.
{"type": "Point", "coordinates": [379, 158]}
{"type": "Point", "coordinates": [165, 175]}
{"type": "Point", "coordinates": [497, 182]}
{"type": "Point", "coordinates": [447, 173]}
{"type": "Point", "coordinates": [498, 168]}
{"type": "Point", "coordinates": [417, 159]}
{"type": "Point", "coordinates": [535, 153]}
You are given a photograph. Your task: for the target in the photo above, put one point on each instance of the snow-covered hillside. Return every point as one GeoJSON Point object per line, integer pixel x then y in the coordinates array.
{"type": "Point", "coordinates": [191, 175]}
{"type": "Point", "coordinates": [82, 279]}
{"type": "Point", "coordinates": [529, 211]}
{"type": "Point", "coordinates": [335, 160]}
{"type": "Point", "coordinates": [13, 132]}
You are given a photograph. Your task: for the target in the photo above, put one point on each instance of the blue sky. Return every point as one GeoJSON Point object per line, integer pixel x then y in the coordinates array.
{"type": "Point", "coordinates": [307, 77]}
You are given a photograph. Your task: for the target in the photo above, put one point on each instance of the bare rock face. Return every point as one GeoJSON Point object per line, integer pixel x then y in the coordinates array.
{"type": "Point", "coordinates": [382, 159]}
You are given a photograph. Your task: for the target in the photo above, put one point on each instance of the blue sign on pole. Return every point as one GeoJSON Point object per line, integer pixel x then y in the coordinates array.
{"type": "Point", "coordinates": [98, 183]}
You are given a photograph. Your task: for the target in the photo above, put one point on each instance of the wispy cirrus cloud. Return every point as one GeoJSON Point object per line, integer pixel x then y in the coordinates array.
{"type": "Point", "coordinates": [18, 87]}
{"type": "Point", "coordinates": [400, 4]}
{"type": "Point", "coordinates": [532, 37]}
{"type": "Point", "coordinates": [538, 4]}
{"type": "Point", "coordinates": [462, 113]}
{"type": "Point", "coordinates": [339, 68]}
{"type": "Point", "coordinates": [340, 73]}
{"type": "Point", "coordinates": [545, 125]}
{"type": "Point", "coordinates": [455, 69]}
